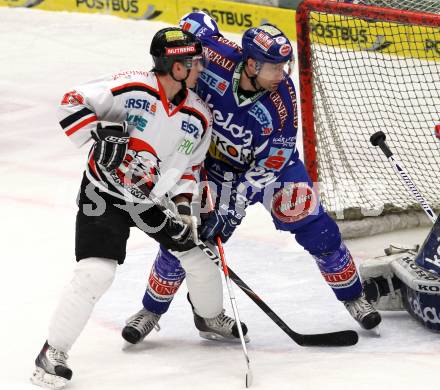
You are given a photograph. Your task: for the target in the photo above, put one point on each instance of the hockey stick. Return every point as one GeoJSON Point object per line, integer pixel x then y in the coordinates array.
{"type": "Point", "coordinates": [224, 266]}
{"type": "Point", "coordinates": [333, 339]}
{"type": "Point", "coordinates": [378, 139]}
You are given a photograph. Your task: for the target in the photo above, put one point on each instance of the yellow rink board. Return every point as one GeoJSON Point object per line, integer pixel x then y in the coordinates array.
{"type": "Point", "coordinates": [160, 10]}
{"type": "Point", "coordinates": [388, 38]}
{"type": "Point", "coordinates": [238, 17]}
{"type": "Point", "coordinates": [230, 16]}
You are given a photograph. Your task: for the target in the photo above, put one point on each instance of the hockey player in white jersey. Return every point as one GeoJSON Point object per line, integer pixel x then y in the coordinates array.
{"type": "Point", "coordinates": [158, 137]}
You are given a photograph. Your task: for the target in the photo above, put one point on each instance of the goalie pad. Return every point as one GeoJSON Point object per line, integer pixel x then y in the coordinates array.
{"type": "Point", "coordinates": [381, 286]}
{"type": "Point", "coordinates": [420, 291]}
{"type": "Point", "coordinates": [397, 282]}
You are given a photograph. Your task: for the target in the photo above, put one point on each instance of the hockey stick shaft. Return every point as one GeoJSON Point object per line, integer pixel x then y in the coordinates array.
{"type": "Point", "coordinates": [378, 139]}
{"type": "Point", "coordinates": [249, 375]}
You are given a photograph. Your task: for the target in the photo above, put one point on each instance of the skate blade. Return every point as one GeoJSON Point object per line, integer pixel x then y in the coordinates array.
{"type": "Point", "coordinates": [49, 381]}
{"type": "Point", "coordinates": [249, 378]}
{"type": "Point", "coordinates": [216, 337]}
{"type": "Point", "coordinates": [126, 346]}
{"type": "Point", "coordinates": [374, 332]}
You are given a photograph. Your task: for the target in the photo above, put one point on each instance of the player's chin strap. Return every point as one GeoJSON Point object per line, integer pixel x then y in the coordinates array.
{"type": "Point", "coordinates": [182, 81]}
{"type": "Point", "coordinates": [253, 79]}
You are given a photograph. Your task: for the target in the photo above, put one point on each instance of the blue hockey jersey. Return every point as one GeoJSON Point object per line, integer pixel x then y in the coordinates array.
{"type": "Point", "coordinates": [253, 138]}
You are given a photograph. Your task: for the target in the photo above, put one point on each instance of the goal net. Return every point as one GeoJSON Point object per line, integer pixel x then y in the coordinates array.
{"type": "Point", "coordinates": [366, 68]}
{"type": "Point", "coordinates": [432, 6]}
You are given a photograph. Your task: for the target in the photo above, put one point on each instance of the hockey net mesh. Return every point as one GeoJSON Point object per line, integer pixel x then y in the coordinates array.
{"type": "Point", "coordinates": [432, 6]}
{"type": "Point", "coordinates": [371, 75]}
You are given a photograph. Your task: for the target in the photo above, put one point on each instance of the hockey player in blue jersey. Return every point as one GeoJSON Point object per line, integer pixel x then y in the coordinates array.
{"type": "Point", "coordinates": [253, 159]}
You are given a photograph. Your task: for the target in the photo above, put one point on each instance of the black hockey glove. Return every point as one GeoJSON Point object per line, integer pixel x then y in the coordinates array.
{"type": "Point", "coordinates": [111, 144]}
{"type": "Point", "coordinates": [180, 234]}
{"type": "Point", "coordinates": [221, 222]}
{"type": "Point", "coordinates": [173, 234]}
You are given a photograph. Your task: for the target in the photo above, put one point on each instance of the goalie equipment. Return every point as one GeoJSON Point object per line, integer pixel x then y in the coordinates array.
{"type": "Point", "coordinates": [381, 286]}
{"type": "Point", "coordinates": [429, 255]}
{"type": "Point", "coordinates": [140, 325]}
{"type": "Point", "coordinates": [51, 370]}
{"type": "Point", "coordinates": [414, 288]}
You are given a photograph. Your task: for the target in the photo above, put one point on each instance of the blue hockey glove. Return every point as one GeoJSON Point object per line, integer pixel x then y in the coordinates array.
{"type": "Point", "coordinates": [220, 223]}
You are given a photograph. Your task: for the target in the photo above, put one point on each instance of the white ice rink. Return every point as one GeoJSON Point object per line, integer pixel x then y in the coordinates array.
{"type": "Point", "coordinates": [43, 55]}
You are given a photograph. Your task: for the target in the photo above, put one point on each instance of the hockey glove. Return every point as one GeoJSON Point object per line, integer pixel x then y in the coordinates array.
{"type": "Point", "coordinates": [220, 223]}
{"type": "Point", "coordinates": [111, 144]}
{"type": "Point", "coordinates": [184, 211]}
{"type": "Point", "coordinates": [180, 234]}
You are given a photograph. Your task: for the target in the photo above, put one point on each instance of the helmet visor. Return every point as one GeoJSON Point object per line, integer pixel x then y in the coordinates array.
{"type": "Point", "coordinates": [199, 61]}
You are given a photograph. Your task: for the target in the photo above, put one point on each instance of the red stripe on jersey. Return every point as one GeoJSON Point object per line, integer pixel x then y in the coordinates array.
{"type": "Point", "coordinates": [188, 177]}
{"type": "Point", "coordinates": [139, 145]}
{"type": "Point", "coordinates": [164, 100]}
{"type": "Point", "coordinates": [200, 114]}
{"type": "Point", "coordinates": [81, 125]}
{"type": "Point", "coordinates": [128, 85]}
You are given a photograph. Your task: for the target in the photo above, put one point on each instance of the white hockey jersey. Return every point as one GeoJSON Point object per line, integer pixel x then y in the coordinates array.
{"type": "Point", "coordinates": [175, 138]}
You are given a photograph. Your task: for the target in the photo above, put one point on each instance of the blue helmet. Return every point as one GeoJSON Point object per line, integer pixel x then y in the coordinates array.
{"type": "Point", "coordinates": [266, 43]}
{"type": "Point", "coordinates": [200, 24]}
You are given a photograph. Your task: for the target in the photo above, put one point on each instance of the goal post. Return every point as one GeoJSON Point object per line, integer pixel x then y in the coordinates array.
{"type": "Point", "coordinates": [364, 69]}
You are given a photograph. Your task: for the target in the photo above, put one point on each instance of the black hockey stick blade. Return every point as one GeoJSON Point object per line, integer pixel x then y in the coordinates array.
{"type": "Point", "coordinates": [343, 338]}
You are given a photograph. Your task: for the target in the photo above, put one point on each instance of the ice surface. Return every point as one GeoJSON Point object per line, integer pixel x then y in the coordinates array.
{"type": "Point", "coordinates": [43, 55]}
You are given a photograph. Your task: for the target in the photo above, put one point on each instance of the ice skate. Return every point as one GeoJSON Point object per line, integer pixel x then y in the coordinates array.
{"type": "Point", "coordinates": [364, 313]}
{"type": "Point", "coordinates": [51, 369]}
{"type": "Point", "coordinates": [140, 325]}
{"type": "Point", "coordinates": [220, 328]}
